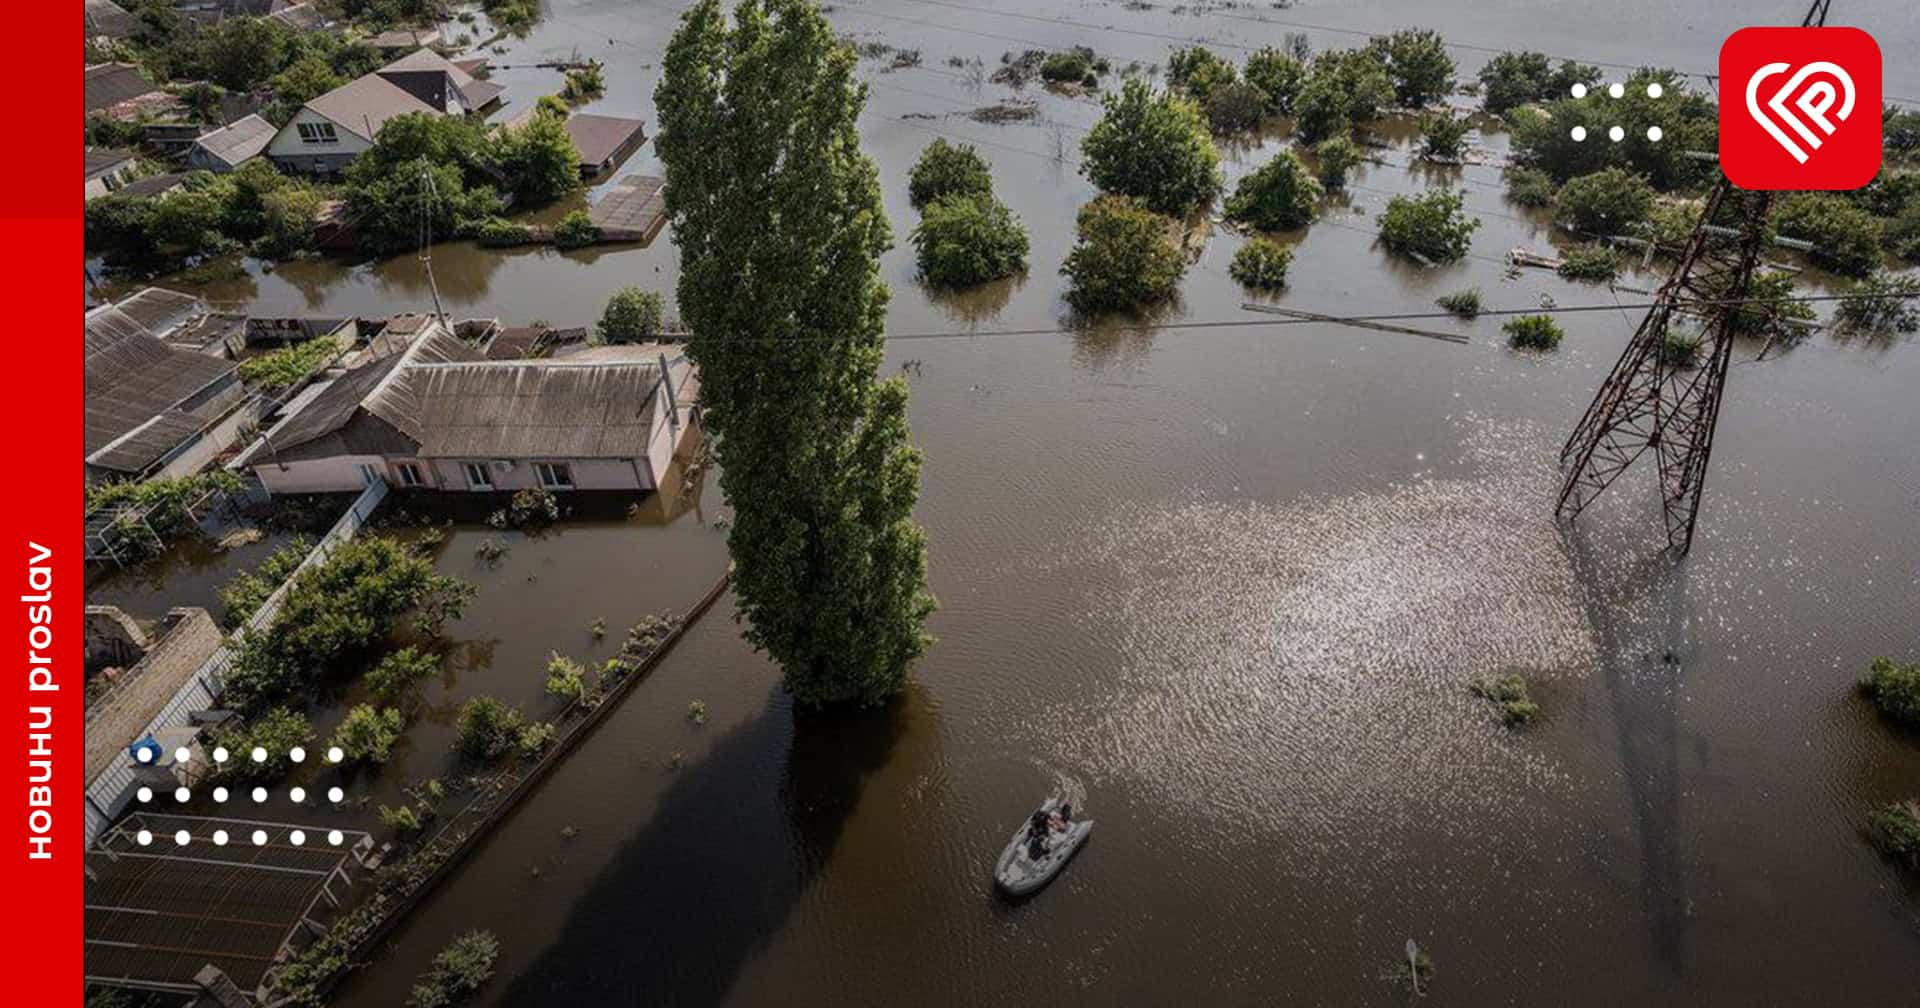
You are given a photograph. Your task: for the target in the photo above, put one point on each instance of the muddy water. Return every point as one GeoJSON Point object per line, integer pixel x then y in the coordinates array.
{"type": "Point", "coordinates": [1228, 586]}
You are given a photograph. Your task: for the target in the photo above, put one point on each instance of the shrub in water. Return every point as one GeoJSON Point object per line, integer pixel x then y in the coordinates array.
{"type": "Point", "coordinates": [1280, 196]}
{"type": "Point", "coordinates": [1895, 689]}
{"type": "Point", "coordinates": [1508, 694]}
{"type": "Point", "coordinates": [1533, 332]}
{"type": "Point", "coordinates": [967, 240]}
{"type": "Point", "coordinates": [946, 169]}
{"type": "Point", "coordinates": [1590, 262]}
{"type": "Point", "coordinates": [1124, 258]}
{"type": "Point", "coordinates": [1261, 264]}
{"type": "Point", "coordinates": [1465, 304]}
{"type": "Point", "coordinates": [1430, 225]}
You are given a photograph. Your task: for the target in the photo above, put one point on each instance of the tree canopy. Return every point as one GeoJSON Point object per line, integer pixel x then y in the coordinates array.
{"type": "Point", "coordinates": [1154, 148]}
{"type": "Point", "coordinates": [967, 240]}
{"type": "Point", "coordinates": [781, 291]}
{"type": "Point", "coordinates": [1280, 196]}
{"type": "Point", "coordinates": [1124, 260]}
{"type": "Point", "coordinates": [1431, 226]}
{"type": "Point", "coordinates": [946, 169]}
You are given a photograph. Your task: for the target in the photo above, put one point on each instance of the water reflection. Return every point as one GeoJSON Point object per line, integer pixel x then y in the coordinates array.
{"type": "Point", "coordinates": [977, 304]}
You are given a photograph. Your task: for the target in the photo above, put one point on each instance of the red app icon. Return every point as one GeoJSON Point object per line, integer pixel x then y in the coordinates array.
{"type": "Point", "coordinates": [1800, 108]}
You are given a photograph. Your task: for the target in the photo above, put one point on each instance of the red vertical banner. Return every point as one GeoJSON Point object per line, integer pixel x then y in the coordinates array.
{"type": "Point", "coordinates": [42, 394]}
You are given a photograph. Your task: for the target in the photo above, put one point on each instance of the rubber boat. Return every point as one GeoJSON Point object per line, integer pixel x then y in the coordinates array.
{"type": "Point", "coordinates": [1019, 873]}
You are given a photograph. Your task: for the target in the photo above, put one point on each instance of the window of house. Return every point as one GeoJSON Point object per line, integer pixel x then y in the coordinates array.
{"type": "Point", "coordinates": [317, 132]}
{"type": "Point", "coordinates": [477, 476]}
{"type": "Point", "coordinates": [368, 475]}
{"type": "Point", "coordinates": [554, 475]}
{"type": "Point", "coordinates": [409, 474]}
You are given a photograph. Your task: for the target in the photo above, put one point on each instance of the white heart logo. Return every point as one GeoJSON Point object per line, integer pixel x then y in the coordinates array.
{"type": "Point", "coordinates": [1815, 102]}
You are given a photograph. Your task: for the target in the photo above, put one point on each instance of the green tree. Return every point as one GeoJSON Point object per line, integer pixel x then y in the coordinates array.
{"type": "Point", "coordinates": [1530, 187]}
{"type": "Point", "coordinates": [400, 671]}
{"type": "Point", "coordinates": [1358, 78]}
{"type": "Point", "coordinates": [1512, 79]}
{"type": "Point", "coordinates": [119, 229]}
{"type": "Point", "coordinates": [305, 79]}
{"type": "Point", "coordinates": [1533, 332]}
{"type": "Point", "coordinates": [1417, 60]}
{"type": "Point", "coordinates": [487, 729]}
{"type": "Point", "coordinates": [576, 230]}
{"type": "Point", "coordinates": [1124, 258]}
{"type": "Point", "coordinates": [367, 734]}
{"type": "Point", "coordinates": [1236, 107]}
{"type": "Point", "coordinates": [276, 732]}
{"type": "Point", "coordinates": [1609, 201]}
{"type": "Point", "coordinates": [781, 290]}
{"type": "Point", "coordinates": [537, 160]}
{"type": "Point", "coordinates": [1590, 262]}
{"type": "Point", "coordinates": [1278, 75]}
{"type": "Point", "coordinates": [1280, 196]}
{"type": "Point", "coordinates": [1882, 304]}
{"type": "Point", "coordinates": [388, 189]}
{"type": "Point", "coordinates": [967, 240]}
{"type": "Point", "coordinates": [946, 169]}
{"type": "Point", "coordinates": [1442, 137]}
{"type": "Point", "coordinates": [248, 590]}
{"type": "Point", "coordinates": [1337, 156]}
{"type": "Point", "coordinates": [1846, 239]}
{"type": "Point", "coordinates": [458, 971]}
{"type": "Point", "coordinates": [1198, 72]}
{"type": "Point", "coordinates": [188, 221]}
{"type": "Point", "coordinates": [566, 678]}
{"type": "Point", "coordinates": [288, 216]}
{"type": "Point", "coordinates": [1431, 226]}
{"type": "Point", "coordinates": [1261, 264]}
{"type": "Point", "coordinates": [1154, 148]}
{"type": "Point", "coordinates": [1769, 310]}
{"type": "Point", "coordinates": [241, 53]}
{"type": "Point", "coordinates": [1894, 688]}
{"type": "Point", "coordinates": [1320, 110]}
{"type": "Point", "coordinates": [1688, 121]}
{"type": "Point", "coordinates": [632, 315]}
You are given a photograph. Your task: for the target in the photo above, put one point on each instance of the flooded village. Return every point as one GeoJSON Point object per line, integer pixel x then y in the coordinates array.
{"type": "Point", "coordinates": [432, 663]}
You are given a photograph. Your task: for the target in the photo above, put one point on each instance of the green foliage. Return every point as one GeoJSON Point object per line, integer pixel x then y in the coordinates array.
{"type": "Point", "coordinates": [399, 672]}
{"type": "Point", "coordinates": [1124, 258]}
{"type": "Point", "coordinates": [1883, 303]}
{"type": "Point", "coordinates": [386, 185]}
{"type": "Point", "coordinates": [1680, 350]}
{"type": "Point", "coordinates": [511, 14]}
{"type": "Point", "coordinates": [1261, 264]}
{"type": "Point", "coordinates": [1846, 238]}
{"type": "Point", "coordinates": [1358, 77]}
{"type": "Point", "coordinates": [487, 729]}
{"type": "Point", "coordinates": [166, 499]}
{"type": "Point", "coordinates": [1236, 107]}
{"type": "Point", "coordinates": [1417, 61]}
{"type": "Point", "coordinates": [1320, 110]}
{"type": "Point", "coordinates": [1430, 226]}
{"type": "Point", "coordinates": [554, 105]}
{"type": "Point", "coordinates": [1512, 79]}
{"type": "Point", "coordinates": [1508, 694]}
{"type": "Point", "coordinates": [585, 83]}
{"type": "Point", "coordinates": [1078, 65]}
{"type": "Point", "coordinates": [1768, 310]}
{"type": "Point", "coordinates": [1198, 72]}
{"type": "Point", "coordinates": [105, 132]}
{"type": "Point", "coordinates": [241, 53]}
{"type": "Point", "coordinates": [1153, 148]}
{"type": "Point", "coordinates": [535, 736]}
{"type": "Point", "coordinates": [813, 449]}
{"type": "Point", "coordinates": [498, 232]}
{"type": "Point", "coordinates": [338, 611]}
{"type": "Point", "coordinates": [1896, 829]}
{"type": "Point", "coordinates": [575, 230]}
{"type": "Point", "coordinates": [1670, 225]}
{"type": "Point", "coordinates": [538, 161]}
{"type": "Point", "coordinates": [1442, 137]}
{"type": "Point", "coordinates": [1590, 262]}
{"type": "Point", "coordinates": [276, 731]}
{"type": "Point", "coordinates": [400, 819]}
{"type": "Point", "coordinates": [1465, 304]}
{"type": "Point", "coordinates": [1278, 75]}
{"type": "Point", "coordinates": [967, 240]}
{"type": "Point", "coordinates": [946, 169]}
{"type": "Point", "coordinates": [305, 79]}
{"type": "Point", "coordinates": [632, 315]}
{"type": "Point", "coordinates": [1688, 121]}
{"type": "Point", "coordinates": [566, 678]}
{"type": "Point", "coordinates": [1279, 196]}
{"type": "Point", "coordinates": [280, 369]}
{"type": "Point", "coordinates": [367, 734]}
{"type": "Point", "coordinates": [1609, 201]}
{"type": "Point", "coordinates": [1337, 156]}
{"type": "Point", "coordinates": [287, 218]}
{"type": "Point", "coordinates": [1533, 332]}
{"type": "Point", "coordinates": [1894, 688]}
{"type": "Point", "coordinates": [1529, 187]}
{"type": "Point", "coordinates": [188, 222]}
{"type": "Point", "coordinates": [243, 596]}
{"type": "Point", "coordinates": [1900, 132]}
{"type": "Point", "coordinates": [697, 711]}
{"type": "Point", "coordinates": [458, 971]}
{"type": "Point", "coordinates": [529, 508]}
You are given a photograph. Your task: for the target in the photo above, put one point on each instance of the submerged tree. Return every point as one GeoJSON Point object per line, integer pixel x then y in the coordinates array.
{"type": "Point", "coordinates": [778, 219]}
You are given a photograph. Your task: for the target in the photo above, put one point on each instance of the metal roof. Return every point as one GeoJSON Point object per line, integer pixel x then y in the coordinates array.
{"type": "Point", "coordinates": [133, 376]}
{"type": "Point", "coordinates": [362, 105]}
{"type": "Point", "coordinates": [109, 84]}
{"type": "Point", "coordinates": [240, 141]}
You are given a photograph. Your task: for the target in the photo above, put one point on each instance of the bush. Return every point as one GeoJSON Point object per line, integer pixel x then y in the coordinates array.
{"type": "Point", "coordinates": [386, 188]}
{"type": "Point", "coordinates": [1359, 78]}
{"type": "Point", "coordinates": [1508, 694]}
{"type": "Point", "coordinates": [1882, 303]}
{"type": "Point", "coordinates": [1198, 72]}
{"type": "Point", "coordinates": [1846, 239]}
{"type": "Point", "coordinates": [1442, 137]}
{"type": "Point", "coordinates": [1261, 264]}
{"type": "Point", "coordinates": [1465, 304]}
{"type": "Point", "coordinates": [584, 84]}
{"type": "Point", "coordinates": [538, 161]}
{"type": "Point", "coordinates": [243, 596]}
{"type": "Point", "coordinates": [632, 315]}
{"type": "Point", "coordinates": [1417, 61]}
{"type": "Point", "coordinates": [1529, 188]}
{"type": "Point", "coordinates": [1430, 226]}
{"type": "Point", "coordinates": [1278, 76]}
{"type": "Point", "coordinates": [458, 971]}
{"type": "Point", "coordinates": [400, 819]}
{"type": "Point", "coordinates": [1124, 257]}
{"type": "Point", "coordinates": [1680, 350]}
{"type": "Point", "coordinates": [1768, 309]}
{"type": "Point", "coordinates": [1280, 196]}
{"type": "Point", "coordinates": [1590, 262]}
{"type": "Point", "coordinates": [398, 673]}
{"type": "Point", "coordinates": [498, 232]}
{"type": "Point", "coordinates": [1512, 79]}
{"type": "Point", "coordinates": [1896, 828]}
{"type": "Point", "coordinates": [566, 678]}
{"type": "Point", "coordinates": [1687, 119]}
{"type": "Point", "coordinates": [1533, 332]}
{"type": "Point", "coordinates": [967, 240]}
{"type": "Point", "coordinates": [1671, 225]}
{"type": "Point", "coordinates": [529, 508]}
{"type": "Point", "coordinates": [277, 731]}
{"type": "Point", "coordinates": [534, 737]}
{"type": "Point", "coordinates": [283, 368]}
{"type": "Point", "coordinates": [1236, 107]}
{"type": "Point", "coordinates": [1337, 156]}
{"type": "Point", "coordinates": [1072, 66]}
{"type": "Point", "coordinates": [1609, 201]}
{"type": "Point", "coordinates": [1153, 148]}
{"type": "Point", "coordinates": [1895, 689]}
{"type": "Point", "coordinates": [946, 169]}
{"type": "Point", "coordinates": [575, 230]}
{"type": "Point", "coordinates": [1320, 110]}
{"type": "Point", "coordinates": [367, 734]}
{"type": "Point", "coordinates": [487, 729]}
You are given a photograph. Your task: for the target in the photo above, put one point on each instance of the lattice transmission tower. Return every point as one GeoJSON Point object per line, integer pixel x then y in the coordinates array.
{"type": "Point", "coordinates": [1656, 397]}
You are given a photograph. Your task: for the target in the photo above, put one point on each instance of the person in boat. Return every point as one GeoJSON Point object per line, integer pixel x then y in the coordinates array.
{"type": "Point", "coordinates": [1037, 828]}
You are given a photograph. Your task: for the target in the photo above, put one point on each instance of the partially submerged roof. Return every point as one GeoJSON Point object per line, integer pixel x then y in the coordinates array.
{"type": "Point", "coordinates": [240, 141]}
{"type": "Point", "coordinates": [362, 105]}
{"type": "Point", "coordinates": [368, 394]}
{"type": "Point", "coordinates": [110, 84]}
{"type": "Point", "coordinates": [133, 376]}
{"type": "Point", "coordinates": [600, 137]}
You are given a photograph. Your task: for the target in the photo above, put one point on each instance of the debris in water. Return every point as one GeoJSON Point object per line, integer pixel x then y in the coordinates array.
{"type": "Point", "coordinates": [1005, 112]}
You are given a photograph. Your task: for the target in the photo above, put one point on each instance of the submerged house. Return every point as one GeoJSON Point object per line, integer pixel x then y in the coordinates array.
{"type": "Point", "coordinates": [329, 131]}
{"type": "Point", "coordinates": [427, 410]}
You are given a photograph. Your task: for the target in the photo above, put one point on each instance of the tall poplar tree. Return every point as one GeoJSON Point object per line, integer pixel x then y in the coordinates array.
{"type": "Point", "coordinates": [778, 218]}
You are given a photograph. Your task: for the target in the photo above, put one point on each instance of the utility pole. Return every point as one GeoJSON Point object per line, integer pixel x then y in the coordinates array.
{"type": "Point", "coordinates": [428, 197]}
{"type": "Point", "coordinates": [1653, 400]}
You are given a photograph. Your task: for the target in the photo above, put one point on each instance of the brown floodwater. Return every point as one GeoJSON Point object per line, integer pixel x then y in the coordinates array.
{"type": "Point", "coordinates": [1226, 587]}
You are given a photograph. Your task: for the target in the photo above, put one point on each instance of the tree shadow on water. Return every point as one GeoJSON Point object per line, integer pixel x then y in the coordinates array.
{"type": "Point", "coordinates": [719, 866]}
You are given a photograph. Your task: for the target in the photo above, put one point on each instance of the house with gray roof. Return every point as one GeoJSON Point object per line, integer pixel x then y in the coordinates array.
{"type": "Point", "coordinates": [120, 91]}
{"type": "Point", "coordinates": [231, 146]}
{"type": "Point", "coordinates": [426, 410]}
{"type": "Point", "coordinates": [334, 128]}
{"type": "Point", "coordinates": [107, 170]}
{"type": "Point", "coordinates": [150, 404]}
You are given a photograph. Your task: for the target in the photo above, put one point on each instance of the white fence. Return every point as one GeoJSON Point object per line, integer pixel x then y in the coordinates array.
{"type": "Point", "coordinates": [108, 794]}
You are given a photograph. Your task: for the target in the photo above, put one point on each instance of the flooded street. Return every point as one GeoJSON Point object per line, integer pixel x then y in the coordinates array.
{"type": "Point", "coordinates": [1227, 587]}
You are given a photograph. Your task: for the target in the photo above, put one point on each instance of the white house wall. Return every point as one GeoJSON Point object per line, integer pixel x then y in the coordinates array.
{"type": "Point", "coordinates": [328, 475]}
{"type": "Point", "coordinates": [290, 152]}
